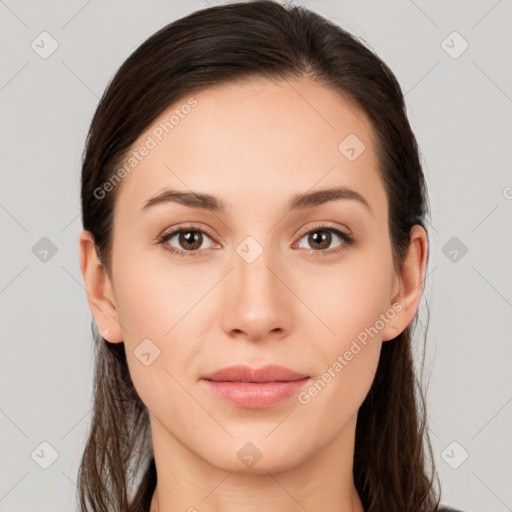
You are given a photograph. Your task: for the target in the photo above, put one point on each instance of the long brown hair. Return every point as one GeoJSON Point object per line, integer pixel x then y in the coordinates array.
{"type": "Point", "coordinates": [224, 44]}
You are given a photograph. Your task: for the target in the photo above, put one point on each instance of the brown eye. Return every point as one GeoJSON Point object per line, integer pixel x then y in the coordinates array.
{"type": "Point", "coordinates": [321, 237]}
{"type": "Point", "coordinates": [185, 240]}
{"type": "Point", "coordinates": [190, 240]}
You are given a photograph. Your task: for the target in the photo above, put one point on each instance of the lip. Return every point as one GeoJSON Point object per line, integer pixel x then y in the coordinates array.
{"type": "Point", "coordinates": [255, 388]}
{"type": "Point", "coordinates": [243, 373]}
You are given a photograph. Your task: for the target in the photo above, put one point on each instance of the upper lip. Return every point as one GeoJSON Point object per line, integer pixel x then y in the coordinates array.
{"type": "Point", "coordinates": [242, 373]}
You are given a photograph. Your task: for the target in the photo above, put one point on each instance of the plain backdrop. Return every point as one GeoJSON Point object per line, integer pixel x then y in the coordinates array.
{"type": "Point", "coordinates": [454, 63]}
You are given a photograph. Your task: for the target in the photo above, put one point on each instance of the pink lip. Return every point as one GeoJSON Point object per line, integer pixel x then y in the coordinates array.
{"type": "Point", "coordinates": [255, 388]}
{"type": "Point", "coordinates": [242, 373]}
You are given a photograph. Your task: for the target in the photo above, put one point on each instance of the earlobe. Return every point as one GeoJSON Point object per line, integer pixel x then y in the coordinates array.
{"type": "Point", "coordinates": [410, 282]}
{"type": "Point", "coordinates": [99, 290]}
{"type": "Point", "coordinates": [393, 327]}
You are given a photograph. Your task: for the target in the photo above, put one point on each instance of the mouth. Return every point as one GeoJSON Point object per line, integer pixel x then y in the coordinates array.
{"type": "Point", "coordinates": [255, 388]}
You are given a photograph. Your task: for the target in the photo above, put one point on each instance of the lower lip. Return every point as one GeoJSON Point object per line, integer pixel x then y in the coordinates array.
{"type": "Point", "coordinates": [253, 395]}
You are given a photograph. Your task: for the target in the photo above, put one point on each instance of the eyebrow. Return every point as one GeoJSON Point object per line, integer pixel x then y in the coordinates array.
{"type": "Point", "coordinates": [216, 205]}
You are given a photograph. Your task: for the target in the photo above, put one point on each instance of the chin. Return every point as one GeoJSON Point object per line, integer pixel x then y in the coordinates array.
{"type": "Point", "coordinates": [256, 457]}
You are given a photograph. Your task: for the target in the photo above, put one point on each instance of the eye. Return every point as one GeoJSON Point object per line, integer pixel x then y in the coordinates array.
{"type": "Point", "coordinates": [320, 238]}
{"type": "Point", "coordinates": [189, 240]}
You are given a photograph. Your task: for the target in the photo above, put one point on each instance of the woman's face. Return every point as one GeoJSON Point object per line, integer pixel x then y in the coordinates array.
{"type": "Point", "coordinates": [249, 284]}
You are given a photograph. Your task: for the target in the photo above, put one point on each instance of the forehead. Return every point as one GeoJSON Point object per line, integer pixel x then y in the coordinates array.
{"type": "Point", "coordinates": [252, 141]}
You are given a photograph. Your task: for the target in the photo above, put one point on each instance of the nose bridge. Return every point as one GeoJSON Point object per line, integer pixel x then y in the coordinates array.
{"type": "Point", "coordinates": [256, 301]}
{"type": "Point", "coordinates": [252, 262]}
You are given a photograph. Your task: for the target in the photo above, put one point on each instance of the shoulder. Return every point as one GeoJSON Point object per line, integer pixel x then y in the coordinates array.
{"type": "Point", "coordinates": [447, 509]}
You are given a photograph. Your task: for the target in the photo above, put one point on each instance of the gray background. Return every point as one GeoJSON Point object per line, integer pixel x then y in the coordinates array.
{"type": "Point", "coordinates": [460, 108]}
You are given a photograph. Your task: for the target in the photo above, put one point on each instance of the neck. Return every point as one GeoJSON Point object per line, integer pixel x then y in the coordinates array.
{"type": "Point", "coordinates": [323, 481]}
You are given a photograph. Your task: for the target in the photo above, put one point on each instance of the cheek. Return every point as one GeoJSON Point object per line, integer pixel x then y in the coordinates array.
{"type": "Point", "coordinates": [158, 349]}
{"type": "Point", "coordinates": [157, 308]}
{"type": "Point", "coordinates": [144, 304]}
{"type": "Point", "coordinates": [354, 297]}
{"type": "Point", "coordinates": [151, 296]}
{"type": "Point", "coordinates": [350, 298]}
{"type": "Point", "coordinates": [349, 349]}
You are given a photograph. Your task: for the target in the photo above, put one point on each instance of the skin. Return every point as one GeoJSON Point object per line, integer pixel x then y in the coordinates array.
{"type": "Point", "coordinates": [254, 145]}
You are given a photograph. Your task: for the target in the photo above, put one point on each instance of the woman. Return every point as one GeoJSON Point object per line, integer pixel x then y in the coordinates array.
{"type": "Point", "coordinates": [254, 252]}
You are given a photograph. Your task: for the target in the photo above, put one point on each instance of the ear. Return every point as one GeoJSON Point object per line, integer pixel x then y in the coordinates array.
{"type": "Point", "coordinates": [408, 286]}
{"type": "Point", "coordinates": [99, 290]}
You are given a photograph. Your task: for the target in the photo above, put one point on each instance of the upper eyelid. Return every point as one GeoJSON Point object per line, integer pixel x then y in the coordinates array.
{"type": "Point", "coordinates": [326, 225]}
{"type": "Point", "coordinates": [191, 227]}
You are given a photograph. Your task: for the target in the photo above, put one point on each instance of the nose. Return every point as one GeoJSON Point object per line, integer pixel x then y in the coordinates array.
{"type": "Point", "coordinates": [258, 301]}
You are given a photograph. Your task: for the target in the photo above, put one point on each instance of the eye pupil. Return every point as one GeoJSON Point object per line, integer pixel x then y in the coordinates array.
{"type": "Point", "coordinates": [325, 236]}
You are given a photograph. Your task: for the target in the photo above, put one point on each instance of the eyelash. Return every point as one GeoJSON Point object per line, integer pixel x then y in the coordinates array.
{"type": "Point", "coordinates": [348, 240]}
